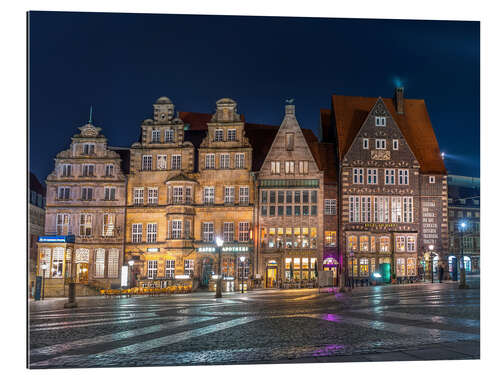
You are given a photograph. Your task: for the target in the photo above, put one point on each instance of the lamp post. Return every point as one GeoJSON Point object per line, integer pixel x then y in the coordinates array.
{"type": "Point", "coordinates": [431, 261]}
{"type": "Point", "coordinates": [44, 267]}
{"type": "Point", "coordinates": [218, 289]}
{"type": "Point", "coordinates": [352, 269]}
{"type": "Point", "coordinates": [131, 265]}
{"type": "Point", "coordinates": [242, 262]}
{"type": "Point", "coordinates": [462, 284]}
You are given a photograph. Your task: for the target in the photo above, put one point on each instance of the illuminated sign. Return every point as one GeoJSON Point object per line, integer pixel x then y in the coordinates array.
{"type": "Point", "coordinates": [57, 239]}
{"type": "Point", "coordinates": [124, 276]}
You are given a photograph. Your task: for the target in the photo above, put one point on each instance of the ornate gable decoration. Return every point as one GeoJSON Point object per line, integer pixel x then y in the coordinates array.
{"type": "Point", "coordinates": [89, 131]}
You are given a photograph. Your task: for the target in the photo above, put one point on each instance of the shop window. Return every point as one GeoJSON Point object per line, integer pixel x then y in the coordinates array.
{"type": "Point", "coordinates": [363, 267]}
{"type": "Point", "coordinates": [400, 267]}
{"type": "Point", "coordinates": [411, 267]}
{"type": "Point", "coordinates": [400, 243]}
{"type": "Point", "coordinates": [352, 243]}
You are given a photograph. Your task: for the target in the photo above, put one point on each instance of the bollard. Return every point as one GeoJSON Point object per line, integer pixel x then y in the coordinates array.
{"type": "Point", "coordinates": [71, 296]}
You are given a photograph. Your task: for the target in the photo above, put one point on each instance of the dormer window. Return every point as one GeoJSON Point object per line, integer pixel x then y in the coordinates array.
{"type": "Point", "coordinates": [169, 136]}
{"type": "Point", "coordinates": [155, 136]}
{"type": "Point", "coordinates": [289, 141]}
{"type": "Point", "coordinates": [379, 121]}
{"type": "Point", "coordinates": [231, 134]}
{"type": "Point", "coordinates": [88, 148]}
{"type": "Point", "coordinates": [219, 135]}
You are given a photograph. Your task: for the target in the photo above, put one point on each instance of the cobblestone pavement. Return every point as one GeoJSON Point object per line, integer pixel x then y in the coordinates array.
{"type": "Point", "coordinates": [383, 323]}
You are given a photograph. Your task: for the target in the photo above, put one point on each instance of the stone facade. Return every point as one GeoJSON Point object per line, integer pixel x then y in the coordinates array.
{"type": "Point", "coordinates": [290, 210]}
{"type": "Point", "coordinates": [36, 220]}
{"type": "Point", "coordinates": [85, 198]}
{"type": "Point", "coordinates": [189, 187]}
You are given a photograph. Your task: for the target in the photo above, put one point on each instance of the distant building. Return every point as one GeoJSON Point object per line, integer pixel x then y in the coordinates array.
{"type": "Point", "coordinates": [464, 207]}
{"type": "Point", "coordinates": [36, 221]}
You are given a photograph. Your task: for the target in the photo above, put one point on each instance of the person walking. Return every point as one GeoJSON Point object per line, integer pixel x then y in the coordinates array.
{"type": "Point", "coordinates": [441, 273]}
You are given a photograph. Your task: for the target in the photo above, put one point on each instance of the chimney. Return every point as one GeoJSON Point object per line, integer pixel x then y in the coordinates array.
{"type": "Point", "coordinates": [399, 100]}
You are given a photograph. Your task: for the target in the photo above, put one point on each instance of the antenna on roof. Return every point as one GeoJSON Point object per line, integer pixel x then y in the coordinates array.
{"type": "Point", "coordinates": [90, 117]}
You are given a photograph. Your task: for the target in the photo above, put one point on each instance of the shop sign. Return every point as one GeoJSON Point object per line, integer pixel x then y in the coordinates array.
{"type": "Point", "coordinates": [57, 239]}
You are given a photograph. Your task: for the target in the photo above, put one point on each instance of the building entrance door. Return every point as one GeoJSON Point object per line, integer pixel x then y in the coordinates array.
{"type": "Point", "coordinates": [206, 273]}
{"type": "Point", "coordinates": [82, 272]}
{"type": "Point", "coordinates": [271, 280]}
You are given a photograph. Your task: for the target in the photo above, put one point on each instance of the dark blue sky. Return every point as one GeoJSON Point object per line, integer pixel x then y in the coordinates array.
{"type": "Point", "coordinates": [121, 63]}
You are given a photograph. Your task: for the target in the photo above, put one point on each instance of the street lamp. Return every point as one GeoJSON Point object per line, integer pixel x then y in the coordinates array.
{"type": "Point", "coordinates": [462, 285]}
{"type": "Point", "coordinates": [431, 261]}
{"type": "Point", "coordinates": [44, 267]}
{"type": "Point", "coordinates": [218, 291]}
{"type": "Point", "coordinates": [242, 260]}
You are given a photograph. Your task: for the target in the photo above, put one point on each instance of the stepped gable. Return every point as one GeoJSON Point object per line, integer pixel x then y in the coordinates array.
{"type": "Point", "coordinates": [350, 112]}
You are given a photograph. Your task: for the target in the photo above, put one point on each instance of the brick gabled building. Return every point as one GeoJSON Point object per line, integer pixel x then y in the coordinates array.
{"type": "Point", "coordinates": [392, 186]}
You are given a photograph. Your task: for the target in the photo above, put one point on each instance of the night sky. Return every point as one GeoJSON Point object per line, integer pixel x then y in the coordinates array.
{"type": "Point", "coordinates": [121, 63]}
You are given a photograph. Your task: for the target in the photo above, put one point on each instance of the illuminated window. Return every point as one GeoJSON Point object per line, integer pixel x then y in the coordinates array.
{"type": "Point", "coordinates": [275, 167]}
{"type": "Point", "coordinates": [62, 224]}
{"type": "Point", "coordinates": [313, 237]}
{"type": "Point", "coordinates": [411, 267]}
{"type": "Point", "coordinates": [161, 162]}
{"type": "Point", "coordinates": [330, 238]}
{"type": "Point", "coordinates": [410, 242]}
{"type": "Point", "coordinates": [384, 244]}
{"type": "Point", "coordinates": [400, 243]}
{"type": "Point", "coordinates": [396, 210]}
{"type": "Point", "coordinates": [85, 225]}
{"type": "Point", "coordinates": [189, 267]}
{"type": "Point", "coordinates": [373, 244]}
{"type": "Point", "coordinates": [352, 243]}
{"type": "Point", "coordinates": [108, 225]}
{"type": "Point", "coordinates": [289, 167]}
{"type": "Point", "coordinates": [353, 267]}
{"type": "Point", "coordinates": [113, 259]}
{"type": "Point", "coordinates": [100, 256]}
{"type": "Point", "coordinates": [57, 262]}
{"type": "Point", "coordinates": [363, 267]}
{"type": "Point", "coordinates": [363, 243]}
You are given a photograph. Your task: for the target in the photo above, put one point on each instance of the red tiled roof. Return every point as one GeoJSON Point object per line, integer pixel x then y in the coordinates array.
{"type": "Point", "coordinates": [351, 111]}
